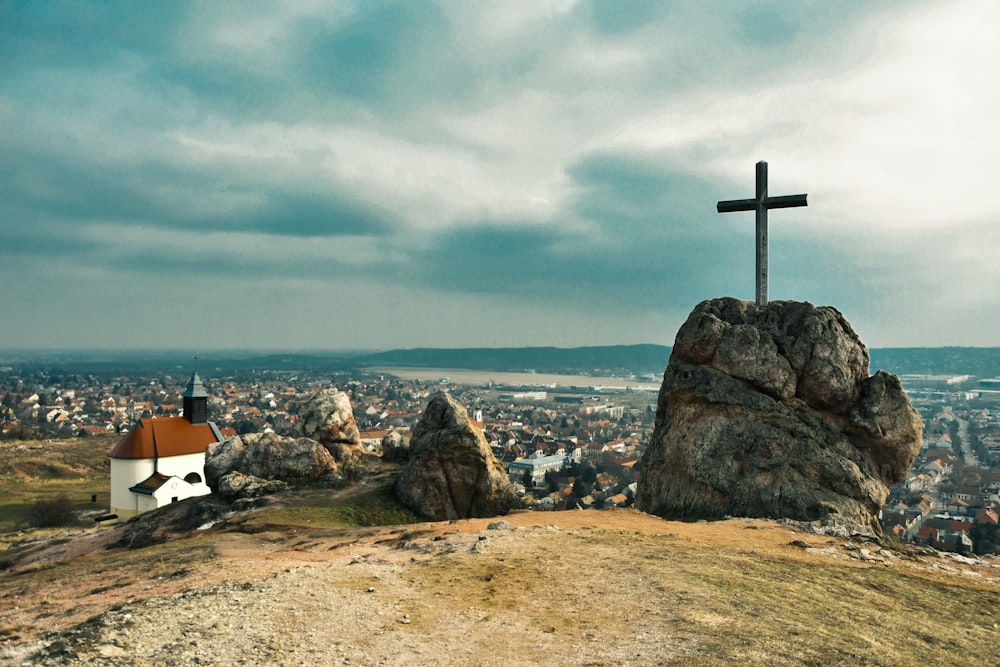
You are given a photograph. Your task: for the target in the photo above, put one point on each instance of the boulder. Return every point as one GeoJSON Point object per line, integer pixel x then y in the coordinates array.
{"type": "Point", "coordinates": [327, 417]}
{"type": "Point", "coordinates": [394, 447]}
{"type": "Point", "coordinates": [769, 411]}
{"type": "Point", "coordinates": [269, 456]}
{"type": "Point", "coordinates": [452, 473]}
{"type": "Point", "coordinates": [237, 485]}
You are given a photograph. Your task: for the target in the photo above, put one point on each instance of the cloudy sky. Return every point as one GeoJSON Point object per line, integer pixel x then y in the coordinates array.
{"type": "Point", "coordinates": [359, 175]}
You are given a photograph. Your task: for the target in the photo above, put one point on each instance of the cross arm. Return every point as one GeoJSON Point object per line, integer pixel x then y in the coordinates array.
{"type": "Point", "coordinates": [731, 205]}
{"type": "Point", "coordinates": [786, 201]}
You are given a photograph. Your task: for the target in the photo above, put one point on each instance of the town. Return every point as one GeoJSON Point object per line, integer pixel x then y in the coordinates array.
{"type": "Point", "coordinates": [564, 447]}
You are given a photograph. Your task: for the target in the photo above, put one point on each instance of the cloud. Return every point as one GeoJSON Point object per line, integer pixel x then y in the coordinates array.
{"type": "Point", "coordinates": [557, 161]}
{"type": "Point", "coordinates": [631, 227]}
{"type": "Point", "coordinates": [611, 18]}
{"type": "Point", "coordinates": [77, 34]}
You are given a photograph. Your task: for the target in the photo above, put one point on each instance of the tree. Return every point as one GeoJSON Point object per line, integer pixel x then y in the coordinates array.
{"type": "Point", "coordinates": [528, 480]}
{"type": "Point", "coordinates": [246, 426]}
{"type": "Point", "coordinates": [552, 480]}
{"type": "Point", "coordinates": [581, 489]}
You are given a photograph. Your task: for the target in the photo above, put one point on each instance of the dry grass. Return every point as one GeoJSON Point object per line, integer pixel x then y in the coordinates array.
{"type": "Point", "coordinates": [42, 470]}
{"type": "Point", "coordinates": [571, 585]}
{"type": "Point", "coordinates": [724, 602]}
{"type": "Point", "coordinates": [600, 588]}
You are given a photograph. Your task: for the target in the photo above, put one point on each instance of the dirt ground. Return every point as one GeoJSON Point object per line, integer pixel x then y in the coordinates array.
{"type": "Point", "coordinates": [613, 587]}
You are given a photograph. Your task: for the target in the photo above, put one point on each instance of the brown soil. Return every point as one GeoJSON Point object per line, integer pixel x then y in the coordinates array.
{"type": "Point", "coordinates": [583, 587]}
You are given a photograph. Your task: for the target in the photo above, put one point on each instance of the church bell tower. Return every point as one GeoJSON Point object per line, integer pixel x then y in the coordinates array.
{"type": "Point", "coordinates": [195, 401]}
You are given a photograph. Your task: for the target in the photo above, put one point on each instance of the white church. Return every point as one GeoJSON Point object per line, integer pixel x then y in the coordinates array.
{"type": "Point", "coordinates": [162, 461]}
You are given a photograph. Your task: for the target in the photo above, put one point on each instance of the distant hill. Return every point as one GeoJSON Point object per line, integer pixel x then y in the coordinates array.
{"type": "Point", "coordinates": [978, 361]}
{"type": "Point", "coordinates": [640, 359]}
{"type": "Point", "coordinates": [608, 359]}
{"type": "Point", "coordinates": [637, 359]}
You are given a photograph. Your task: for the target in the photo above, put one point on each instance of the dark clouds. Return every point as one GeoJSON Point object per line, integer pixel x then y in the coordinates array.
{"type": "Point", "coordinates": [633, 226]}
{"type": "Point", "coordinates": [535, 159]}
{"type": "Point", "coordinates": [65, 33]}
{"type": "Point", "coordinates": [613, 18]}
{"type": "Point", "coordinates": [371, 55]}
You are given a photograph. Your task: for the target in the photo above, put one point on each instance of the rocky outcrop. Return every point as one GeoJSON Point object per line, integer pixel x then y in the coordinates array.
{"type": "Point", "coordinates": [452, 473]}
{"type": "Point", "coordinates": [394, 447]}
{"type": "Point", "coordinates": [770, 412]}
{"type": "Point", "coordinates": [267, 456]}
{"type": "Point", "coordinates": [328, 418]}
{"type": "Point", "coordinates": [238, 485]}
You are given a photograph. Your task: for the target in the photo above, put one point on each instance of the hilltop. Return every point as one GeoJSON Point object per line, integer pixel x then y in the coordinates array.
{"type": "Point", "coordinates": [299, 581]}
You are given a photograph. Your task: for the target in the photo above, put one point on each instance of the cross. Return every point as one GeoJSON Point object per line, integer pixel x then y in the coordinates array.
{"type": "Point", "coordinates": [761, 203]}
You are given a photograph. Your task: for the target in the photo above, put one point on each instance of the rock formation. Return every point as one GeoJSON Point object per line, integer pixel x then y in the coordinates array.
{"type": "Point", "coordinates": [770, 412]}
{"type": "Point", "coordinates": [394, 448]}
{"type": "Point", "coordinates": [452, 473]}
{"type": "Point", "coordinates": [238, 485]}
{"type": "Point", "coordinates": [328, 418]}
{"type": "Point", "coordinates": [266, 456]}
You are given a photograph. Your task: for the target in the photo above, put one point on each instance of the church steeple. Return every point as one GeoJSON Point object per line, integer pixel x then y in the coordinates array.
{"type": "Point", "coordinates": [195, 401]}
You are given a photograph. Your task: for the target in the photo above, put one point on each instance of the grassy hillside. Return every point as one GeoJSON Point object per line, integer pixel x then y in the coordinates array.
{"type": "Point", "coordinates": [34, 470]}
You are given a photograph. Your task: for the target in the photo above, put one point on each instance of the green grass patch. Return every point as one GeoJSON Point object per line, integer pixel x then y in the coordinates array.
{"type": "Point", "coordinates": [16, 500]}
{"type": "Point", "coordinates": [318, 509]}
{"type": "Point", "coordinates": [33, 472]}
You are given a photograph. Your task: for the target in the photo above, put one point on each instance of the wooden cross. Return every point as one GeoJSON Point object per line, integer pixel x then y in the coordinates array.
{"type": "Point", "coordinates": [761, 203]}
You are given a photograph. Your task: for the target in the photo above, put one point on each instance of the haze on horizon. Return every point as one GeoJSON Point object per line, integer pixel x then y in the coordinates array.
{"type": "Point", "coordinates": [380, 175]}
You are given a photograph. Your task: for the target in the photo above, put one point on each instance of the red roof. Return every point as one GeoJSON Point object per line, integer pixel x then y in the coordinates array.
{"type": "Point", "coordinates": [168, 436]}
{"type": "Point", "coordinates": [150, 484]}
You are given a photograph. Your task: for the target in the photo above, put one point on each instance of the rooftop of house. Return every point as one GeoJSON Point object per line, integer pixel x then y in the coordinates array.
{"type": "Point", "coordinates": [150, 484]}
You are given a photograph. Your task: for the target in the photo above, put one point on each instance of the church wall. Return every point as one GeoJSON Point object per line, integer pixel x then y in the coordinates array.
{"type": "Point", "coordinates": [145, 503]}
{"type": "Point", "coordinates": [126, 473]}
{"type": "Point", "coordinates": [182, 465]}
{"type": "Point", "coordinates": [179, 489]}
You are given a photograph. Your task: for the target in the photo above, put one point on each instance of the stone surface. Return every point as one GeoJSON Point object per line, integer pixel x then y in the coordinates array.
{"type": "Point", "coordinates": [770, 412]}
{"type": "Point", "coordinates": [452, 473]}
{"type": "Point", "coordinates": [394, 447]}
{"type": "Point", "coordinates": [238, 485]}
{"type": "Point", "coordinates": [269, 456]}
{"type": "Point", "coordinates": [328, 418]}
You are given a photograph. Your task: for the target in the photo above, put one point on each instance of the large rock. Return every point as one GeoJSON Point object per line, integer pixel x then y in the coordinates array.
{"type": "Point", "coordinates": [269, 456]}
{"type": "Point", "coordinates": [328, 418]}
{"type": "Point", "coordinates": [394, 447]}
{"type": "Point", "coordinates": [452, 473]}
{"type": "Point", "coordinates": [770, 412]}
